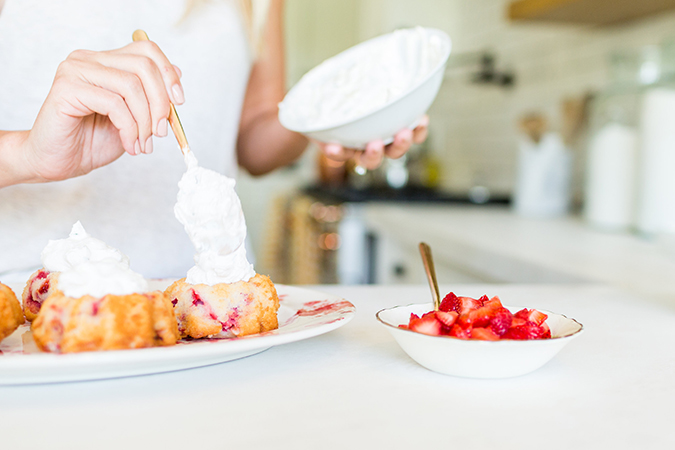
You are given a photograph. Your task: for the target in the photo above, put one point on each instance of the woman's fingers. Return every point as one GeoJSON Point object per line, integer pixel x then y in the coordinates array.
{"type": "Point", "coordinates": [371, 157]}
{"type": "Point", "coordinates": [89, 99]}
{"type": "Point", "coordinates": [334, 151]}
{"type": "Point", "coordinates": [152, 83]}
{"type": "Point", "coordinates": [421, 130]}
{"type": "Point", "coordinates": [401, 144]}
{"type": "Point", "coordinates": [167, 70]}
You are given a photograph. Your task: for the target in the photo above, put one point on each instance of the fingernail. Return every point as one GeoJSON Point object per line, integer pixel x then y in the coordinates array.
{"type": "Point", "coordinates": [137, 147]}
{"type": "Point", "coordinates": [178, 94]}
{"type": "Point", "coordinates": [148, 145]}
{"type": "Point", "coordinates": [162, 127]}
{"type": "Point", "coordinates": [333, 149]}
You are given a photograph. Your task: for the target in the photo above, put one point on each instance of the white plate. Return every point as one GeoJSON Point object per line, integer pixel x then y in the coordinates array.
{"type": "Point", "coordinates": [303, 314]}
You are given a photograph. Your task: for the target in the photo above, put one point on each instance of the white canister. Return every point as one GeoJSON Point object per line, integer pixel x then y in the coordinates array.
{"type": "Point", "coordinates": [609, 201]}
{"type": "Point", "coordinates": [544, 171]}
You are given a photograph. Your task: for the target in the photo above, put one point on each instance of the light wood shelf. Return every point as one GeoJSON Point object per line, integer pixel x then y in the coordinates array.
{"type": "Point", "coordinates": [589, 12]}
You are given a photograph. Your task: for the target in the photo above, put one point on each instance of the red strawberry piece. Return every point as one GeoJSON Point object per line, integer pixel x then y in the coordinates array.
{"type": "Point", "coordinates": [547, 331]}
{"type": "Point", "coordinates": [449, 303]}
{"type": "Point", "coordinates": [537, 317]}
{"type": "Point", "coordinates": [523, 314]}
{"type": "Point", "coordinates": [494, 302]}
{"type": "Point", "coordinates": [459, 332]}
{"type": "Point", "coordinates": [501, 321]}
{"type": "Point", "coordinates": [413, 316]}
{"type": "Point", "coordinates": [465, 320]}
{"type": "Point", "coordinates": [484, 334]}
{"type": "Point", "coordinates": [426, 325]}
{"type": "Point", "coordinates": [518, 322]}
{"type": "Point", "coordinates": [481, 317]}
{"type": "Point", "coordinates": [404, 326]}
{"type": "Point", "coordinates": [483, 299]}
{"type": "Point", "coordinates": [447, 318]}
{"type": "Point", "coordinates": [466, 304]}
{"type": "Point", "coordinates": [525, 332]}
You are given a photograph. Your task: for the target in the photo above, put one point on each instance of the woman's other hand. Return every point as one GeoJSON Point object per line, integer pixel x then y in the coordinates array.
{"type": "Point", "coordinates": [375, 151]}
{"type": "Point", "coordinates": [100, 105]}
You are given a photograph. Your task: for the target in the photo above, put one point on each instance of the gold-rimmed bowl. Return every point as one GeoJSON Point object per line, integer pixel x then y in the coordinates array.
{"type": "Point", "coordinates": [474, 358]}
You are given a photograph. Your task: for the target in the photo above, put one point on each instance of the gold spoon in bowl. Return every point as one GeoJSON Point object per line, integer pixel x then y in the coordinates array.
{"type": "Point", "coordinates": [174, 121]}
{"type": "Point", "coordinates": [428, 261]}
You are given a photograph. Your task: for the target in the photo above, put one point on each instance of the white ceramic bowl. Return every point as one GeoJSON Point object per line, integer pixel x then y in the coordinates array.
{"type": "Point", "coordinates": [473, 358]}
{"type": "Point", "coordinates": [382, 123]}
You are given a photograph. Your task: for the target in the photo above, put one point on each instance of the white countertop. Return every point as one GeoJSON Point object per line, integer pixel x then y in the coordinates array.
{"type": "Point", "coordinates": [500, 246]}
{"type": "Point", "coordinates": [354, 387]}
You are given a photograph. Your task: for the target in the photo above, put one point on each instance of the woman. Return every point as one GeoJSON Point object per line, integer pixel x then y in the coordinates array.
{"type": "Point", "coordinates": [102, 103]}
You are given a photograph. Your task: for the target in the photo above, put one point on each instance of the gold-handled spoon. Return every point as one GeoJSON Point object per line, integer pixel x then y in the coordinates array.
{"type": "Point", "coordinates": [428, 260]}
{"type": "Point", "coordinates": [174, 121]}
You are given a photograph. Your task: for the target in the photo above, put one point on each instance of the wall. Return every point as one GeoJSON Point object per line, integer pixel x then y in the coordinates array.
{"type": "Point", "coordinates": [474, 127]}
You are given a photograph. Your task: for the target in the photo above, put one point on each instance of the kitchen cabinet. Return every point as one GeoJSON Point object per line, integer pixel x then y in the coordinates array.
{"type": "Point", "coordinates": [590, 12]}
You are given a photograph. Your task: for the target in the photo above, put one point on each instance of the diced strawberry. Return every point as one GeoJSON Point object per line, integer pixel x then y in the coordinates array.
{"type": "Point", "coordinates": [465, 320]}
{"type": "Point", "coordinates": [547, 331]}
{"type": "Point", "coordinates": [484, 334]}
{"type": "Point", "coordinates": [494, 302]}
{"type": "Point", "coordinates": [483, 299]}
{"type": "Point", "coordinates": [447, 318]}
{"type": "Point", "coordinates": [480, 317]}
{"type": "Point", "coordinates": [501, 321]}
{"type": "Point", "coordinates": [413, 316]}
{"type": "Point", "coordinates": [525, 332]}
{"type": "Point", "coordinates": [459, 332]}
{"type": "Point", "coordinates": [449, 303]}
{"type": "Point", "coordinates": [426, 325]}
{"type": "Point", "coordinates": [518, 322]}
{"type": "Point", "coordinates": [537, 317]}
{"type": "Point", "coordinates": [522, 314]}
{"type": "Point", "coordinates": [467, 304]}
{"type": "Point", "coordinates": [404, 326]}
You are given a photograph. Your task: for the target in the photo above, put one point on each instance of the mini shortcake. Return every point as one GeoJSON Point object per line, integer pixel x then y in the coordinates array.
{"type": "Point", "coordinates": [10, 312]}
{"type": "Point", "coordinates": [225, 309]}
{"type": "Point", "coordinates": [40, 285]}
{"type": "Point", "coordinates": [222, 295]}
{"type": "Point", "coordinates": [112, 322]}
{"type": "Point", "coordinates": [99, 304]}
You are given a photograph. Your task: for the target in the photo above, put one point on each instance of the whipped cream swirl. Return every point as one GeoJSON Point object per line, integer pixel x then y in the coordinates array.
{"type": "Point", "coordinates": [210, 210]}
{"type": "Point", "coordinates": [89, 266]}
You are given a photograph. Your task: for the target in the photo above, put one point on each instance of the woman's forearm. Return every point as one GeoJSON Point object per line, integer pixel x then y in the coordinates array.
{"type": "Point", "coordinates": [265, 145]}
{"type": "Point", "coordinates": [14, 169]}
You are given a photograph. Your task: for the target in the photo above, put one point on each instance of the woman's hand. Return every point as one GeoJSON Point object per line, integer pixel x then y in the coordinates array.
{"type": "Point", "coordinates": [101, 104]}
{"type": "Point", "coordinates": [375, 151]}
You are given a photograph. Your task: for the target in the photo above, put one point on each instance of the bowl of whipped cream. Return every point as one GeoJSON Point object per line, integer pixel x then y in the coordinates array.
{"type": "Point", "coordinates": [370, 91]}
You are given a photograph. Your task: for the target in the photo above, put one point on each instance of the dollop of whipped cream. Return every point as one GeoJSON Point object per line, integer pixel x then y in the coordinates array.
{"type": "Point", "coordinates": [89, 266]}
{"type": "Point", "coordinates": [210, 210]}
{"type": "Point", "coordinates": [362, 82]}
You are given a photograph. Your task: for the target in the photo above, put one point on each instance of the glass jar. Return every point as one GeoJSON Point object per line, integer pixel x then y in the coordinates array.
{"type": "Point", "coordinates": [613, 151]}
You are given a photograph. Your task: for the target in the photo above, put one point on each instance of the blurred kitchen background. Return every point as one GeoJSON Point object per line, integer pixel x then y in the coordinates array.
{"type": "Point", "coordinates": [588, 82]}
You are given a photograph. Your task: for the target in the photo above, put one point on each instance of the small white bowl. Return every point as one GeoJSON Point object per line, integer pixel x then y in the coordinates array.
{"type": "Point", "coordinates": [382, 123]}
{"type": "Point", "coordinates": [474, 358]}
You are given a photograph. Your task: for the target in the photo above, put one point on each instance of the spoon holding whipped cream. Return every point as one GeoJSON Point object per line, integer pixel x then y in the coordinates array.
{"type": "Point", "coordinates": [174, 121]}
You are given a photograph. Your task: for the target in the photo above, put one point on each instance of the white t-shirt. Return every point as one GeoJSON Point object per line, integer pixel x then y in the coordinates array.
{"type": "Point", "coordinates": [129, 203]}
